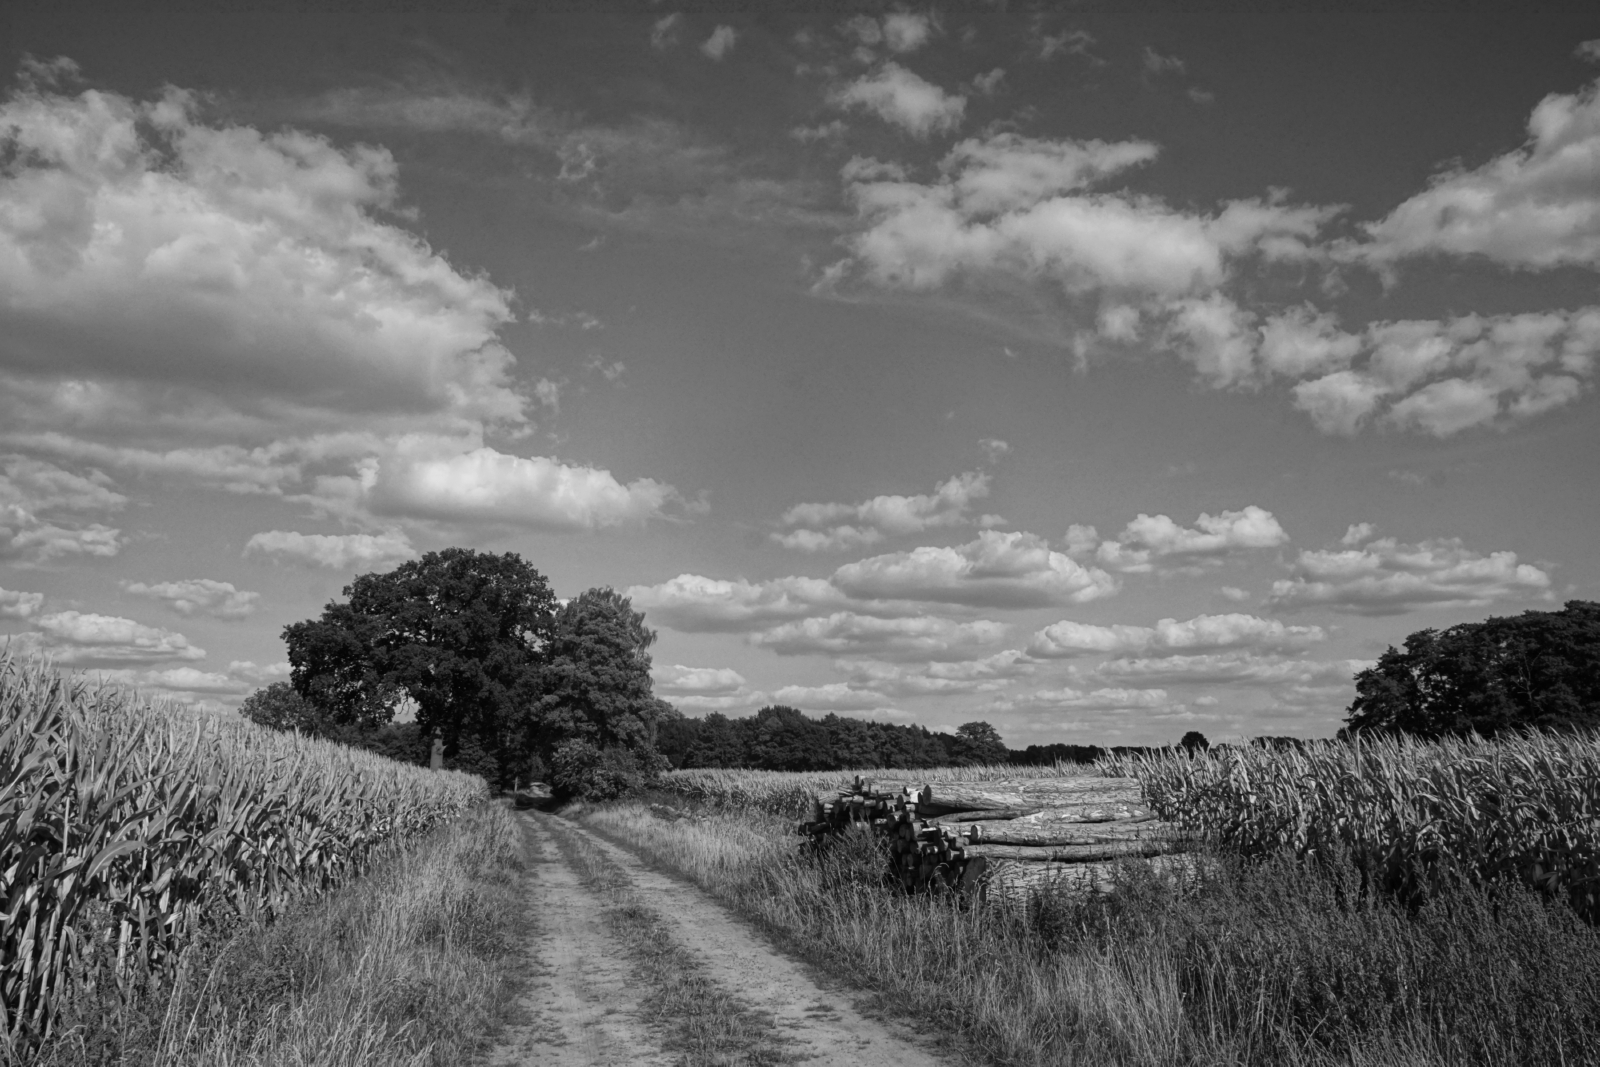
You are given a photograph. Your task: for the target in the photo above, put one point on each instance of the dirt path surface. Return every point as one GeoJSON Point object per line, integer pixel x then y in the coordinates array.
{"type": "Point", "coordinates": [581, 1009]}
{"type": "Point", "coordinates": [821, 1022]}
{"type": "Point", "coordinates": [584, 1011]}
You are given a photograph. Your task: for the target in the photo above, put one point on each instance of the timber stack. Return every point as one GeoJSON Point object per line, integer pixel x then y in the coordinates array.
{"type": "Point", "coordinates": [963, 835]}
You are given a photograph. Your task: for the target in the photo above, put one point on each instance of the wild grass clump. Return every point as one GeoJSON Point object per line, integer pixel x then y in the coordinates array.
{"type": "Point", "coordinates": [1416, 817]}
{"type": "Point", "coordinates": [127, 828]}
{"type": "Point", "coordinates": [412, 965]}
{"type": "Point", "coordinates": [1273, 961]}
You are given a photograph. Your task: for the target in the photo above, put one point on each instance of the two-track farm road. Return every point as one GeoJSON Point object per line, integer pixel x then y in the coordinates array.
{"type": "Point", "coordinates": [583, 1008]}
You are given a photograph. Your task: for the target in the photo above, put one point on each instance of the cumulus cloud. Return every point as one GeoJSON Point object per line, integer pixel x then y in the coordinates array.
{"type": "Point", "coordinates": [1069, 699]}
{"type": "Point", "coordinates": [220, 600]}
{"type": "Point", "coordinates": [333, 551]}
{"type": "Point", "coordinates": [1385, 577]}
{"type": "Point", "coordinates": [80, 638]}
{"type": "Point", "coordinates": [902, 98]}
{"type": "Point", "coordinates": [907, 31]}
{"type": "Point", "coordinates": [1227, 668]}
{"type": "Point", "coordinates": [704, 688]}
{"type": "Point", "coordinates": [18, 604]}
{"type": "Point", "coordinates": [1020, 206]}
{"type": "Point", "coordinates": [696, 604]}
{"type": "Point", "coordinates": [664, 31]}
{"type": "Point", "coordinates": [1201, 633]}
{"type": "Point", "coordinates": [828, 527]}
{"type": "Point", "coordinates": [846, 633]}
{"type": "Point", "coordinates": [1152, 541]}
{"type": "Point", "coordinates": [168, 259]}
{"type": "Point", "coordinates": [1440, 377]}
{"type": "Point", "coordinates": [176, 681]}
{"type": "Point", "coordinates": [423, 480]}
{"type": "Point", "coordinates": [33, 497]}
{"type": "Point", "coordinates": [835, 696]}
{"type": "Point", "coordinates": [1535, 208]}
{"type": "Point", "coordinates": [720, 43]}
{"type": "Point", "coordinates": [983, 674]}
{"type": "Point", "coordinates": [999, 569]}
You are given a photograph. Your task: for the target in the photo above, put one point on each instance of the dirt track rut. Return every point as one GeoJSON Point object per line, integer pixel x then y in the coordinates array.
{"type": "Point", "coordinates": [583, 1009]}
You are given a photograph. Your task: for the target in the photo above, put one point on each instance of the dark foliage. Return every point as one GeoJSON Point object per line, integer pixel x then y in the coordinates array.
{"type": "Point", "coordinates": [1538, 670]}
{"type": "Point", "coordinates": [779, 738]}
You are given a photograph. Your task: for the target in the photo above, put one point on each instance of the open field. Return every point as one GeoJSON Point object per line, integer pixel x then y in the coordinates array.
{"type": "Point", "coordinates": [1290, 944]}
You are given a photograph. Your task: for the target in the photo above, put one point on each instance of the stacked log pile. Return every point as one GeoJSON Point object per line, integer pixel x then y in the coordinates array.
{"type": "Point", "coordinates": [957, 835]}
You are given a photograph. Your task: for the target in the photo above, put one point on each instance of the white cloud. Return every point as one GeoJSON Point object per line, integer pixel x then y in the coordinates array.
{"type": "Point", "coordinates": [678, 679]}
{"type": "Point", "coordinates": [989, 83]}
{"type": "Point", "coordinates": [334, 551]}
{"type": "Point", "coordinates": [905, 31]}
{"type": "Point", "coordinates": [18, 604]}
{"type": "Point", "coordinates": [174, 263]}
{"type": "Point", "coordinates": [1201, 633]}
{"type": "Point", "coordinates": [29, 488]}
{"type": "Point", "coordinates": [177, 681]}
{"type": "Point", "coordinates": [1067, 42]}
{"type": "Point", "coordinates": [835, 696]}
{"type": "Point", "coordinates": [1385, 577]}
{"type": "Point", "coordinates": [72, 637]}
{"type": "Point", "coordinates": [1229, 668]}
{"type": "Point", "coordinates": [1536, 207]}
{"type": "Point", "coordinates": [1155, 63]}
{"type": "Point", "coordinates": [903, 99]}
{"type": "Point", "coordinates": [1588, 51]}
{"type": "Point", "coordinates": [720, 43]}
{"type": "Point", "coordinates": [664, 31]}
{"type": "Point", "coordinates": [964, 676]}
{"type": "Point", "coordinates": [825, 527]}
{"type": "Point", "coordinates": [421, 479]}
{"type": "Point", "coordinates": [1108, 699]}
{"type": "Point", "coordinates": [220, 600]}
{"type": "Point", "coordinates": [849, 634]}
{"type": "Point", "coordinates": [1017, 206]}
{"type": "Point", "coordinates": [695, 604]}
{"type": "Point", "coordinates": [256, 674]}
{"type": "Point", "coordinates": [1150, 541]}
{"type": "Point", "coordinates": [999, 569]}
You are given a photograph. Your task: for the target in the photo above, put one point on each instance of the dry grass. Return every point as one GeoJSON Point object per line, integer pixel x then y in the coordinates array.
{"type": "Point", "coordinates": [1278, 962]}
{"type": "Point", "coordinates": [413, 965]}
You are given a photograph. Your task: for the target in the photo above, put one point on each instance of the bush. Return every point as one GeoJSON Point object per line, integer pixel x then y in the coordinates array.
{"type": "Point", "coordinates": [580, 771]}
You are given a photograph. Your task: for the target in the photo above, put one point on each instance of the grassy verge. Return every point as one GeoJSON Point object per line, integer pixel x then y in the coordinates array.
{"type": "Point", "coordinates": [703, 1022]}
{"type": "Point", "coordinates": [413, 964]}
{"type": "Point", "coordinates": [1271, 963]}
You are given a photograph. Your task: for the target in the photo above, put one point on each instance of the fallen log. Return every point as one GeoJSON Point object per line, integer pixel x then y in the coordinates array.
{"type": "Point", "coordinates": [1046, 836]}
{"type": "Point", "coordinates": [1085, 853]}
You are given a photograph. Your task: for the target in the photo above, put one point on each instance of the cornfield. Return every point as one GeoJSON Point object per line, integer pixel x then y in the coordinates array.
{"type": "Point", "coordinates": [1414, 816]}
{"type": "Point", "coordinates": [125, 825]}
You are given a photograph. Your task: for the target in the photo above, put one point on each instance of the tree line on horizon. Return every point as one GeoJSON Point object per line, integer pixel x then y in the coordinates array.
{"type": "Point", "coordinates": [518, 686]}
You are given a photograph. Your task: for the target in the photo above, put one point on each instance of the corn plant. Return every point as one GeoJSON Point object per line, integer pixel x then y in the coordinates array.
{"type": "Point", "coordinates": [1414, 815]}
{"type": "Point", "coordinates": [123, 823]}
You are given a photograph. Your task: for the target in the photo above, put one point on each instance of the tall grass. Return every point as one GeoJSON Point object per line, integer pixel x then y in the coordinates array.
{"type": "Point", "coordinates": [125, 826]}
{"type": "Point", "coordinates": [410, 965]}
{"type": "Point", "coordinates": [1415, 817]}
{"type": "Point", "coordinates": [1274, 961]}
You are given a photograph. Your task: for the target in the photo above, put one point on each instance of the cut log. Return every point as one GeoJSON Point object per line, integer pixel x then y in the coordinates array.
{"type": "Point", "coordinates": [989, 816]}
{"type": "Point", "coordinates": [1046, 836]}
{"type": "Point", "coordinates": [1089, 853]}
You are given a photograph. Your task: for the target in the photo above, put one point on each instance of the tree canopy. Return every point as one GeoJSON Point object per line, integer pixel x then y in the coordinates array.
{"type": "Point", "coordinates": [1540, 669]}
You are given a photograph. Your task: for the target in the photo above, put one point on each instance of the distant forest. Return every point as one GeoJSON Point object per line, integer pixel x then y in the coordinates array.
{"type": "Point", "coordinates": [781, 738]}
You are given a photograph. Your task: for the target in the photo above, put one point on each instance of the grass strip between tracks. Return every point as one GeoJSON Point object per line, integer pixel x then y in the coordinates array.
{"type": "Point", "coordinates": [698, 1018]}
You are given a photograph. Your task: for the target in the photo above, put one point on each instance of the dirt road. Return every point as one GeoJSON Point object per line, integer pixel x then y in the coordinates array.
{"type": "Point", "coordinates": [585, 1007]}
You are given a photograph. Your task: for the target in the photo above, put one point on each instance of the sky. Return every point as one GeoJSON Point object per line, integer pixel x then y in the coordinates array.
{"type": "Point", "coordinates": [1100, 376]}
